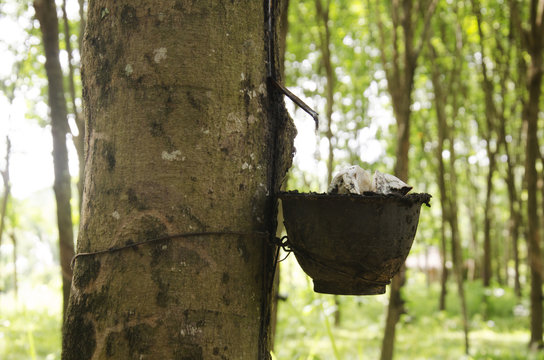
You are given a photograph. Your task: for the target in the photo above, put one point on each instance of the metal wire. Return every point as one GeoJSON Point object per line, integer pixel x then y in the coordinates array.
{"type": "Point", "coordinates": [164, 238]}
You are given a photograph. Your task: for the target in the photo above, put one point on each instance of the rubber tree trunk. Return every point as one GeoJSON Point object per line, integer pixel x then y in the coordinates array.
{"type": "Point", "coordinates": [183, 136]}
{"type": "Point", "coordinates": [46, 13]}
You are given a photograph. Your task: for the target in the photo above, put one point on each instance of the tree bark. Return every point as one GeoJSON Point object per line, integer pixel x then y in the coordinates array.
{"type": "Point", "coordinates": [46, 13]}
{"type": "Point", "coordinates": [183, 136]}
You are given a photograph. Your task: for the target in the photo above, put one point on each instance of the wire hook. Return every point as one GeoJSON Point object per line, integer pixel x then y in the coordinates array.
{"type": "Point", "coordinates": [272, 74]}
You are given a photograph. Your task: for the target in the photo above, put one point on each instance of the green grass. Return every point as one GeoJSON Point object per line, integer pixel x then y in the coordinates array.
{"type": "Point", "coordinates": [499, 323]}
{"type": "Point", "coordinates": [30, 327]}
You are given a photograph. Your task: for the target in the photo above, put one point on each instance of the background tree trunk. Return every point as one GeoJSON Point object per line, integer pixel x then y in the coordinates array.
{"type": "Point", "coordinates": [46, 13]}
{"type": "Point", "coordinates": [400, 72]}
{"type": "Point", "coordinates": [183, 135]}
{"type": "Point", "coordinates": [322, 12]}
{"type": "Point", "coordinates": [532, 41]}
{"type": "Point", "coordinates": [535, 260]}
{"type": "Point", "coordinates": [79, 138]}
{"type": "Point", "coordinates": [491, 114]}
{"type": "Point", "coordinates": [447, 96]}
{"type": "Point", "coordinates": [440, 105]}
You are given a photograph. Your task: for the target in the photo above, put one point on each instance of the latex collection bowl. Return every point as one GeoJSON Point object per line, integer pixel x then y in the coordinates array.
{"type": "Point", "coordinates": [351, 244]}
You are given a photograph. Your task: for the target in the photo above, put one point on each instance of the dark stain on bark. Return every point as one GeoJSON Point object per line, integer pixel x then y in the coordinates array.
{"type": "Point", "coordinates": [169, 104]}
{"type": "Point", "coordinates": [98, 48]}
{"type": "Point", "coordinates": [160, 253]}
{"type": "Point", "coordinates": [134, 340]}
{"type": "Point", "coordinates": [242, 248]}
{"type": "Point", "coordinates": [88, 271]}
{"type": "Point", "coordinates": [225, 278]}
{"type": "Point", "coordinates": [103, 79]}
{"type": "Point", "coordinates": [186, 211]}
{"type": "Point", "coordinates": [97, 45]}
{"type": "Point", "coordinates": [134, 201]}
{"type": "Point", "coordinates": [111, 340]}
{"type": "Point", "coordinates": [79, 340]}
{"type": "Point", "coordinates": [179, 6]}
{"type": "Point", "coordinates": [162, 298]}
{"type": "Point", "coordinates": [198, 99]}
{"type": "Point", "coordinates": [156, 129]}
{"type": "Point", "coordinates": [118, 54]}
{"type": "Point", "coordinates": [129, 21]}
{"type": "Point", "coordinates": [225, 299]}
{"type": "Point", "coordinates": [191, 7]}
{"type": "Point", "coordinates": [193, 101]}
{"type": "Point", "coordinates": [246, 87]}
{"type": "Point", "coordinates": [152, 228]}
{"type": "Point", "coordinates": [108, 153]}
{"type": "Point", "coordinates": [139, 338]}
{"type": "Point", "coordinates": [188, 352]}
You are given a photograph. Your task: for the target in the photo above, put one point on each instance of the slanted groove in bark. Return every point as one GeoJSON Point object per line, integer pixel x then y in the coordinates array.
{"type": "Point", "coordinates": [182, 134]}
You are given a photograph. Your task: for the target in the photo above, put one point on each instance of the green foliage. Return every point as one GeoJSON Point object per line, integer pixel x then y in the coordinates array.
{"type": "Point", "coordinates": [423, 333]}
{"type": "Point", "coordinates": [32, 330]}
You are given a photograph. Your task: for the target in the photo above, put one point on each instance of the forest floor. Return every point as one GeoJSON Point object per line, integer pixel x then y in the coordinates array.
{"type": "Point", "coordinates": [30, 326]}
{"type": "Point", "coordinates": [306, 329]}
